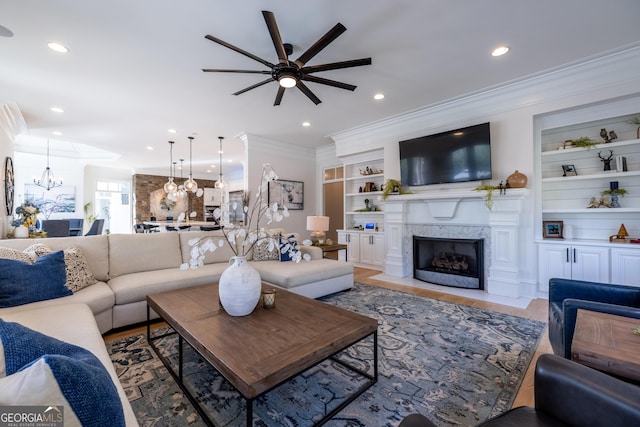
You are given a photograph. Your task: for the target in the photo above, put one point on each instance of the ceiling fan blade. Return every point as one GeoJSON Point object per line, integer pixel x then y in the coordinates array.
{"type": "Point", "coordinates": [217, 70]}
{"type": "Point", "coordinates": [279, 95]}
{"type": "Point", "coordinates": [304, 89]}
{"type": "Point", "coordinates": [323, 42]}
{"type": "Point", "coordinates": [240, 92]}
{"type": "Point", "coordinates": [329, 82]}
{"type": "Point", "coordinates": [336, 65]}
{"type": "Point", "coordinates": [240, 51]}
{"type": "Point", "coordinates": [272, 26]}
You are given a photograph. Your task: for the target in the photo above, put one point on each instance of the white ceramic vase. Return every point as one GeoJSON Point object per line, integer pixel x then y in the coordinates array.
{"type": "Point", "coordinates": [239, 287]}
{"type": "Point", "coordinates": [21, 232]}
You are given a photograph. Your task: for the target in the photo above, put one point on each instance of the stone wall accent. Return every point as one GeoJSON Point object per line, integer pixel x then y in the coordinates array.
{"type": "Point", "coordinates": [145, 185]}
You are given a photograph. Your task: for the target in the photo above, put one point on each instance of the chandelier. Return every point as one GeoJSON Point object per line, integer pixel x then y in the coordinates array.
{"type": "Point", "coordinates": [190, 184]}
{"type": "Point", "coordinates": [170, 187]}
{"type": "Point", "coordinates": [220, 184]}
{"type": "Point", "coordinates": [47, 180]}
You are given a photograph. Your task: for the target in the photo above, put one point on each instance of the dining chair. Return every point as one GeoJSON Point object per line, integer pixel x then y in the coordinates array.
{"type": "Point", "coordinates": [56, 227]}
{"type": "Point", "coordinates": [96, 227]}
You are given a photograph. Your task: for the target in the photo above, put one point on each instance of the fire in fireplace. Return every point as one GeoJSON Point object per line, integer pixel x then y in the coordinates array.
{"type": "Point", "coordinates": [449, 262]}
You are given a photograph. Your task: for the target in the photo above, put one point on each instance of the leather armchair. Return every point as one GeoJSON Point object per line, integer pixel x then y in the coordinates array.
{"type": "Point", "coordinates": [566, 394]}
{"type": "Point", "coordinates": [567, 296]}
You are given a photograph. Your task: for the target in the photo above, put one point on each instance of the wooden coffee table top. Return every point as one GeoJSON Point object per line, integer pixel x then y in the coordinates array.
{"type": "Point", "coordinates": [606, 342]}
{"type": "Point", "coordinates": [259, 351]}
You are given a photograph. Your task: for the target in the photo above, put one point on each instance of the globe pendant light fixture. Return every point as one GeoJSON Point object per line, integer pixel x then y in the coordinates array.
{"type": "Point", "coordinates": [170, 187]}
{"type": "Point", "coordinates": [47, 180]}
{"type": "Point", "coordinates": [220, 184]}
{"type": "Point", "coordinates": [182, 193]}
{"type": "Point", "coordinates": [190, 184]}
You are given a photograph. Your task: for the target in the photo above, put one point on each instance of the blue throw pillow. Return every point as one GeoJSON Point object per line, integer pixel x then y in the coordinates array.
{"type": "Point", "coordinates": [289, 250]}
{"type": "Point", "coordinates": [56, 373]}
{"type": "Point", "coordinates": [22, 283]}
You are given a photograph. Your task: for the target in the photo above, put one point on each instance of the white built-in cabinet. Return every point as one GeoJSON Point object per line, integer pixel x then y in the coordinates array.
{"type": "Point", "coordinates": [212, 197]}
{"type": "Point", "coordinates": [365, 249]}
{"type": "Point", "coordinates": [586, 252]}
{"type": "Point", "coordinates": [625, 266]}
{"type": "Point", "coordinates": [363, 181]}
{"type": "Point", "coordinates": [567, 261]}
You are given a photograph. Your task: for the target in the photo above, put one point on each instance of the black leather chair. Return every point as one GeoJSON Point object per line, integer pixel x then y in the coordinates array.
{"type": "Point", "coordinates": [566, 394]}
{"type": "Point", "coordinates": [56, 227]}
{"type": "Point", "coordinates": [567, 296]}
{"type": "Point", "coordinates": [96, 227]}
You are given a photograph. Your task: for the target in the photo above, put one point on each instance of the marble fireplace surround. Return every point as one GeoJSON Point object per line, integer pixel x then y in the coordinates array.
{"type": "Point", "coordinates": [459, 213]}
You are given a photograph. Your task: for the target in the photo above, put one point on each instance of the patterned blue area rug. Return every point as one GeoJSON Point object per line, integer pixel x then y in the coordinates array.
{"type": "Point", "coordinates": [456, 364]}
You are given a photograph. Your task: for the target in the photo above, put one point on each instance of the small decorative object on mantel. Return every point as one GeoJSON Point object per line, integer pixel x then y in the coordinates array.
{"type": "Point", "coordinates": [488, 198]}
{"type": "Point", "coordinates": [393, 186]}
{"type": "Point", "coordinates": [606, 160]}
{"type": "Point", "coordinates": [517, 180]}
{"type": "Point", "coordinates": [608, 137]}
{"type": "Point", "coordinates": [621, 235]}
{"type": "Point", "coordinates": [569, 170]}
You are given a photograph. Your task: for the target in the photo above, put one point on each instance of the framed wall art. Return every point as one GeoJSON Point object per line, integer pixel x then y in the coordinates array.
{"type": "Point", "coordinates": [289, 194]}
{"type": "Point", "coordinates": [552, 229]}
{"type": "Point", "coordinates": [569, 170]}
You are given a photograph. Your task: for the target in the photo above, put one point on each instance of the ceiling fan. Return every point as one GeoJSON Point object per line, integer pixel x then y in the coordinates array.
{"type": "Point", "coordinates": [292, 73]}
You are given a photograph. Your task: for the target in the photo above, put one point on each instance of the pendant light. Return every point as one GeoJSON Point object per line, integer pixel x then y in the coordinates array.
{"type": "Point", "coordinates": [47, 180]}
{"type": "Point", "coordinates": [170, 186]}
{"type": "Point", "coordinates": [182, 193]}
{"type": "Point", "coordinates": [190, 184]}
{"type": "Point", "coordinates": [220, 184]}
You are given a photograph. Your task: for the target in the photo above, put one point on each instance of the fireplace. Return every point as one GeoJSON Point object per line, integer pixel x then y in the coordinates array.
{"type": "Point", "coordinates": [450, 262]}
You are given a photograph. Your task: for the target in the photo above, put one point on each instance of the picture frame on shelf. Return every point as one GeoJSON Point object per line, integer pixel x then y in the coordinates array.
{"type": "Point", "coordinates": [289, 194]}
{"type": "Point", "coordinates": [552, 229]}
{"type": "Point", "coordinates": [569, 170]}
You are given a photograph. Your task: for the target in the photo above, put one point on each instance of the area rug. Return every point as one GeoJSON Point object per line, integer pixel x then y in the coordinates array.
{"type": "Point", "coordinates": [456, 364]}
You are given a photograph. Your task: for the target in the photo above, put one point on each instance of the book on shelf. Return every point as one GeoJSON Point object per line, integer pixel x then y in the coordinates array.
{"type": "Point", "coordinates": [621, 164]}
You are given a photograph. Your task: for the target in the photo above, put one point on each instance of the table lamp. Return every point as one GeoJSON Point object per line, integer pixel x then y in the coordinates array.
{"type": "Point", "coordinates": [317, 225]}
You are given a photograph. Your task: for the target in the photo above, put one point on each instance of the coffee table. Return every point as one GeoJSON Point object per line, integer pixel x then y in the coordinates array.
{"type": "Point", "coordinates": [258, 352]}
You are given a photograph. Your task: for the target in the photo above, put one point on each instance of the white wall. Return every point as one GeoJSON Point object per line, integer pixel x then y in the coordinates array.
{"type": "Point", "coordinates": [291, 162]}
{"type": "Point", "coordinates": [511, 109]}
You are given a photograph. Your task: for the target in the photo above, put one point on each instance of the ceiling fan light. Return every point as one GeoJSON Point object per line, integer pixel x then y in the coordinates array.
{"type": "Point", "coordinates": [287, 81]}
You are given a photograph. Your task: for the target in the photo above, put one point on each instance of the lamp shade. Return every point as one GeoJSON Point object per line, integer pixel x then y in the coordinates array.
{"type": "Point", "coordinates": [318, 223]}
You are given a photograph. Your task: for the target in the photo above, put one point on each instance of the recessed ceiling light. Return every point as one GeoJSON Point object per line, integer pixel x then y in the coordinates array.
{"type": "Point", "coordinates": [229, 161]}
{"type": "Point", "coordinates": [57, 133]}
{"type": "Point", "coordinates": [378, 96]}
{"type": "Point", "coordinates": [306, 124]}
{"type": "Point", "coordinates": [58, 47]}
{"type": "Point", "coordinates": [150, 148]}
{"type": "Point", "coordinates": [172, 131]}
{"type": "Point", "coordinates": [500, 50]}
{"type": "Point", "coordinates": [57, 110]}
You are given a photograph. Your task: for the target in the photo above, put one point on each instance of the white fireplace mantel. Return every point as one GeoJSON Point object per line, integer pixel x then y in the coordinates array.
{"type": "Point", "coordinates": [456, 208]}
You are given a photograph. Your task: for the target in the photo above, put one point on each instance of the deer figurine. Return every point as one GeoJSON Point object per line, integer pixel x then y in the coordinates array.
{"type": "Point", "coordinates": [607, 160]}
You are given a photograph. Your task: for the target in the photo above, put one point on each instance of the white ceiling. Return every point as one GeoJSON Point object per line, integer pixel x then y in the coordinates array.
{"type": "Point", "coordinates": [133, 69]}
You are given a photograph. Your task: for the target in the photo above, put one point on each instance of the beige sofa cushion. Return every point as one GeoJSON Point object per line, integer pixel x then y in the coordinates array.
{"type": "Point", "coordinates": [128, 252]}
{"type": "Point", "coordinates": [134, 287]}
{"type": "Point", "coordinates": [94, 248]}
{"type": "Point", "coordinates": [291, 274]}
{"type": "Point", "coordinates": [221, 254]}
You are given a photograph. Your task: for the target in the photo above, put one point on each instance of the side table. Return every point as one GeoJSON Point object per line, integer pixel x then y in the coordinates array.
{"type": "Point", "coordinates": [606, 342]}
{"type": "Point", "coordinates": [335, 248]}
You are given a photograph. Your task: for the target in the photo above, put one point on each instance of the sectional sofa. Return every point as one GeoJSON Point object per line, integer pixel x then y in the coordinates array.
{"type": "Point", "coordinates": [128, 267]}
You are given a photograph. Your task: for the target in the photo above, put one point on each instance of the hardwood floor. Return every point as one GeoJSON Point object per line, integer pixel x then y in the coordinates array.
{"type": "Point", "coordinates": [537, 310]}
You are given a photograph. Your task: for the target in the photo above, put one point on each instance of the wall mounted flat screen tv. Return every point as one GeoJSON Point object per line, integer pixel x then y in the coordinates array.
{"type": "Point", "coordinates": [458, 155]}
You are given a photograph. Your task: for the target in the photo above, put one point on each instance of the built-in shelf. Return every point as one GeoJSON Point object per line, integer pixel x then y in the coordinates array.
{"type": "Point", "coordinates": [612, 174]}
{"type": "Point", "coordinates": [365, 213]}
{"type": "Point", "coordinates": [605, 211]}
{"type": "Point", "coordinates": [365, 193]}
{"type": "Point", "coordinates": [365, 177]}
{"type": "Point", "coordinates": [593, 147]}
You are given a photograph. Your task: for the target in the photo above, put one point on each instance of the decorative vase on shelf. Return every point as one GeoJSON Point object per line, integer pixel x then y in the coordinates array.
{"type": "Point", "coordinates": [614, 201]}
{"type": "Point", "coordinates": [517, 180]}
{"type": "Point", "coordinates": [239, 287]}
{"type": "Point", "coordinates": [21, 232]}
